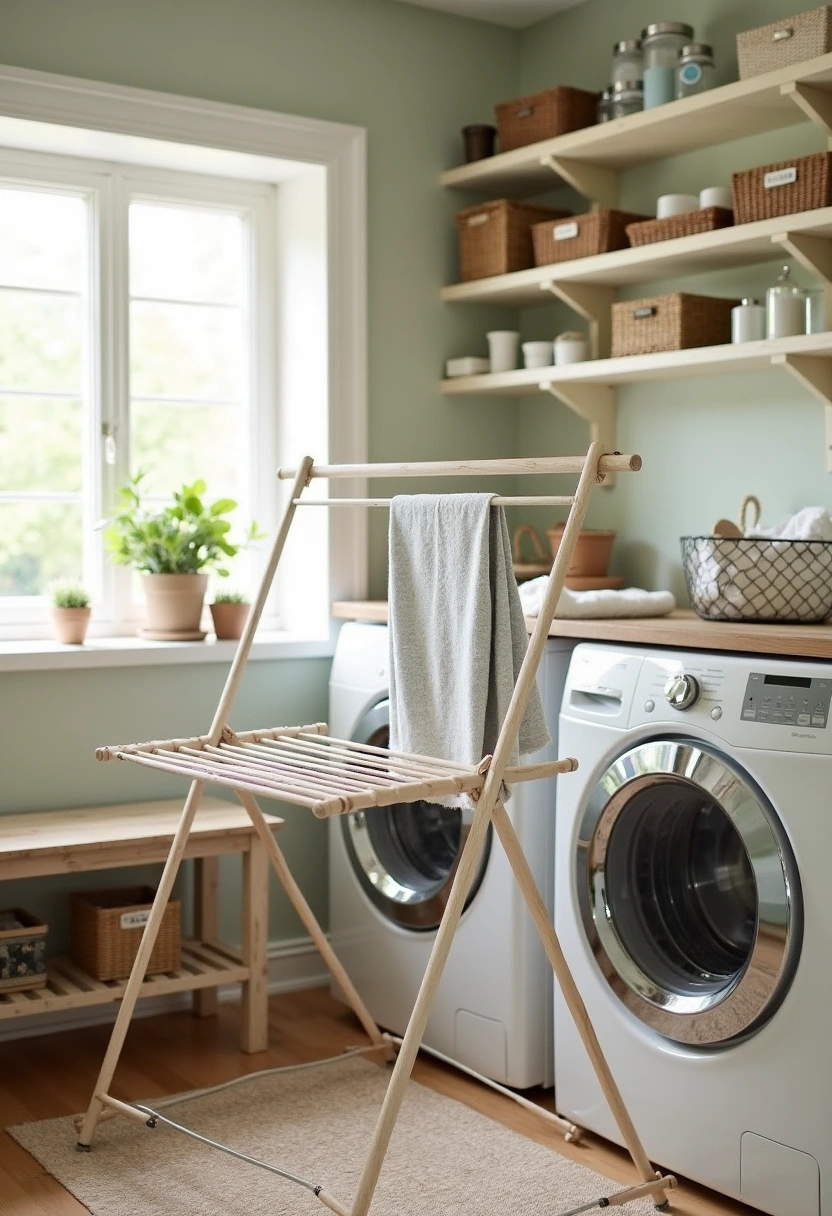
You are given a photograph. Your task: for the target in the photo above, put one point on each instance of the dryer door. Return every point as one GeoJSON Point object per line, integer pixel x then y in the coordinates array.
{"type": "Point", "coordinates": [405, 856]}
{"type": "Point", "coordinates": [689, 892]}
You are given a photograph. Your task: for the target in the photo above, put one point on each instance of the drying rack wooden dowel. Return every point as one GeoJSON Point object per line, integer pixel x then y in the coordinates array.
{"type": "Point", "coordinates": [304, 766]}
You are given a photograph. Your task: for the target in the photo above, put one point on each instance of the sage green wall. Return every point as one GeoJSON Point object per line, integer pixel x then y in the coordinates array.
{"type": "Point", "coordinates": [705, 442]}
{"type": "Point", "coordinates": [412, 78]}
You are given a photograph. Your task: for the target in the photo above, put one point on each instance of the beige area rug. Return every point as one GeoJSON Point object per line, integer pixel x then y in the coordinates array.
{"type": "Point", "coordinates": [444, 1160]}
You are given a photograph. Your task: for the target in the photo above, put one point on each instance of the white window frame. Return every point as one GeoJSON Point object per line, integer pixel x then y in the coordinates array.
{"type": "Point", "coordinates": [44, 113]}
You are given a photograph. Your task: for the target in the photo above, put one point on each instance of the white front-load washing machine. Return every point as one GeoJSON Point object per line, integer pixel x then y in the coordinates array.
{"type": "Point", "coordinates": [390, 873]}
{"type": "Point", "coordinates": [692, 867]}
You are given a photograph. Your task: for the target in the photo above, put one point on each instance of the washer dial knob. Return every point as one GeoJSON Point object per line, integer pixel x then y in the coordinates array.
{"type": "Point", "coordinates": [682, 691]}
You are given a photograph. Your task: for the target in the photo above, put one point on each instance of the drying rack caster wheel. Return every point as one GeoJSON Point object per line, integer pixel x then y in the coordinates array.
{"type": "Point", "coordinates": [83, 1148]}
{"type": "Point", "coordinates": [662, 1207]}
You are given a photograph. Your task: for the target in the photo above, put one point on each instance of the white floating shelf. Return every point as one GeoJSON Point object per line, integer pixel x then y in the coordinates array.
{"type": "Point", "coordinates": [742, 245]}
{"type": "Point", "coordinates": [732, 111]}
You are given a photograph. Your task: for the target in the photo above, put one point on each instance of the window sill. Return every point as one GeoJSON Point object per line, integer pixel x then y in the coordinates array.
{"type": "Point", "coordinates": [139, 652]}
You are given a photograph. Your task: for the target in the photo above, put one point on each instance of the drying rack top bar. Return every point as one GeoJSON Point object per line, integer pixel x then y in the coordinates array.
{"type": "Point", "coordinates": [613, 463]}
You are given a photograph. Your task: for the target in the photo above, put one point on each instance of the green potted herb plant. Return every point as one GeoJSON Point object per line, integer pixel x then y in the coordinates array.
{"type": "Point", "coordinates": [70, 611]}
{"type": "Point", "coordinates": [174, 547]}
{"type": "Point", "coordinates": [229, 612]}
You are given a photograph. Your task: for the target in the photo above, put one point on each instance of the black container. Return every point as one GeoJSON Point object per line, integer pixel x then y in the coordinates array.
{"type": "Point", "coordinates": [479, 141]}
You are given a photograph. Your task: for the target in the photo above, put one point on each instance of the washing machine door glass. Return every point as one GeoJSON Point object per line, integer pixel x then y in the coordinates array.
{"type": "Point", "coordinates": [689, 892]}
{"type": "Point", "coordinates": [405, 856]}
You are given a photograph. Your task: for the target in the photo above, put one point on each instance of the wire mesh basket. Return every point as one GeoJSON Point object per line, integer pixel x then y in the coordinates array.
{"type": "Point", "coordinates": [755, 579]}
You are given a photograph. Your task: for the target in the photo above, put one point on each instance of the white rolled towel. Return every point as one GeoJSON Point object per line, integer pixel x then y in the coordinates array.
{"type": "Point", "coordinates": [812, 523]}
{"type": "Point", "coordinates": [586, 605]}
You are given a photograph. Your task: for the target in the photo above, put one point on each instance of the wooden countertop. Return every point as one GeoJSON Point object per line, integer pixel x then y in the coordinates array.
{"type": "Point", "coordinates": [682, 629]}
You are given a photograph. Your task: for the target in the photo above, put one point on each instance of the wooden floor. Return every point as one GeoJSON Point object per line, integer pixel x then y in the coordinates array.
{"type": "Point", "coordinates": [54, 1074]}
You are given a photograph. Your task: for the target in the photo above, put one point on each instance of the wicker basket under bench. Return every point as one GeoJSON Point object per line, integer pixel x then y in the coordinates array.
{"type": "Point", "coordinates": [85, 839]}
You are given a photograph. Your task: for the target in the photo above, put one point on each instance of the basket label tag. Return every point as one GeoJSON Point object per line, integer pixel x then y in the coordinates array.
{"type": "Point", "coordinates": [645, 311]}
{"type": "Point", "coordinates": [780, 177]}
{"type": "Point", "coordinates": [482, 218]}
{"type": "Point", "coordinates": [134, 920]}
{"type": "Point", "coordinates": [565, 232]}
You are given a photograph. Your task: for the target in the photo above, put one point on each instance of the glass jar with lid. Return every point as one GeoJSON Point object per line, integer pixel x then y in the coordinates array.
{"type": "Point", "coordinates": [627, 98]}
{"type": "Point", "coordinates": [695, 71]}
{"type": "Point", "coordinates": [604, 109]}
{"type": "Point", "coordinates": [785, 307]}
{"type": "Point", "coordinates": [627, 61]}
{"type": "Point", "coordinates": [662, 43]}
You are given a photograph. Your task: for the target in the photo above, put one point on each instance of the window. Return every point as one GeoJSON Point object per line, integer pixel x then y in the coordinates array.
{"type": "Point", "coordinates": [190, 306]}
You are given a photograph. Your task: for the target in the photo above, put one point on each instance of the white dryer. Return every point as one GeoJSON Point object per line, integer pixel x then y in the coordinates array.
{"type": "Point", "coordinates": [692, 903]}
{"type": "Point", "coordinates": [390, 873]}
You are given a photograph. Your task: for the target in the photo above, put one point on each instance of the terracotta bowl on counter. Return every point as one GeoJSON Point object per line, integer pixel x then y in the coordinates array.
{"type": "Point", "coordinates": [592, 552]}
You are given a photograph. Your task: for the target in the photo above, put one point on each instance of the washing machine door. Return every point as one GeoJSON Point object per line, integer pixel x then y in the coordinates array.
{"type": "Point", "coordinates": [405, 856]}
{"type": "Point", "coordinates": [689, 892]}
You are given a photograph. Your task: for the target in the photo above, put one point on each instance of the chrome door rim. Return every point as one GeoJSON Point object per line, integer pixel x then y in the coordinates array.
{"type": "Point", "coordinates": [749, 997]}
{"type": "Point", "coordinates": [400, 904]}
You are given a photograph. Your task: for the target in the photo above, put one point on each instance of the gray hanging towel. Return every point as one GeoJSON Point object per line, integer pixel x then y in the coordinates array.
{"type": "Point", "coordinates": [457, 631]}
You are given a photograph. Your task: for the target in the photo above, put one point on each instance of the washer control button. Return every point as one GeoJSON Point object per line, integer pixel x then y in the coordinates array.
{"type": "Point", "coordinates": [649, 706]}
{"type": "Point", "coordinates": [682, 691]}
{"type": "Point", "coordinates": [716, 713]}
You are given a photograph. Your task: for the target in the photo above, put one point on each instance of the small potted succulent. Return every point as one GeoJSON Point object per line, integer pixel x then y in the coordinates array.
{"type": "Point", "coordinates": [70, 611]}
{"type": "Point", "coordinates": [174, 547]}
{"type": "Point", "coordinates": [229, 611]}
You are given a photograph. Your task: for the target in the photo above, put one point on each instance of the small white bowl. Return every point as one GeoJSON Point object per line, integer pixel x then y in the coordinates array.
{"type": "Point", "coordinates": [675, 204]}
{"type": "Point", "coordinates": [538, 354]}
{"type": "Point", "coordinates": [716, 196]}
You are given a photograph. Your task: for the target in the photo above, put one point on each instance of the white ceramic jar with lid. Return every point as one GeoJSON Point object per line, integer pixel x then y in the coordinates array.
{"type": "Point", "coordinates": [748, 321]}
{"type": "Point", "coordinates": [785, 307]}
{"type": "Point", "coordinates": [571, 348]}
{"type": "Point", "coordinates": [627, 61]}
{"type": "Point", "coordinates": [695, 71]}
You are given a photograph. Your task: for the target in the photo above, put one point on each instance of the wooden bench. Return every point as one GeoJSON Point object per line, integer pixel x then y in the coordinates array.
{"type": "Point", "coordinates": [107, 837]}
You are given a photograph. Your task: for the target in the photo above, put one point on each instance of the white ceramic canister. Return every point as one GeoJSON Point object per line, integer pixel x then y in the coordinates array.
{"type": "Point", "coordinates": [676, 204]}
{"type": "Point", "coordinates": [716, 196]}
{"type": "Point", "coordinates": [571, 348]}
{"type": "Point", "coordinates": [748, 321]}
{"type": "Point", "coordinates": [537, 354]}
{"type": "Point", "coordinates": [502, 349]}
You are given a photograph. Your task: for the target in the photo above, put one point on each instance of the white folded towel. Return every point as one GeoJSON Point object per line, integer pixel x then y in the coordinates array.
{"type": "Point", "coordinates": [586, 605]}
{"type": "Point", "coordinates": [457, 633]}
{"type": "Point", "coordinates": [812, 523]}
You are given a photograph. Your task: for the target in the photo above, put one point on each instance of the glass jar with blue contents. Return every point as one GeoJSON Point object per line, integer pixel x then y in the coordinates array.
{"type": "Point", "coordinates": [662, 44]}
{"type": "Point", "coordinates": [695, 71]}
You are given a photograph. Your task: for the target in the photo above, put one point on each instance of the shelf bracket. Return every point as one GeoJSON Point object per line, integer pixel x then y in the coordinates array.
{"type": "Point", "coordinates": [814, 253]}
{"type": "Point", "coordinates": [595, 403]}
{"type": "Point", "coordinates": [594, 304]}
{"type": "Point", "coordinates": [815, 375]}
{"type": "Point", "coordinates": [595, 183]}
{"type": "Point", "coordinates": [815, 103]}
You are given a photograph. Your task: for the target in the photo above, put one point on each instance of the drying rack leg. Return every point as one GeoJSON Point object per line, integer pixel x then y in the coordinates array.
{"type": "Point", "coordinates": [573, 998]}
{"type": "Point", "coordinates": [311, 925]}
{"type": "Point", "coordinates": [131, 992]}
{"type": "Point", "coordinates": [409, 1049]}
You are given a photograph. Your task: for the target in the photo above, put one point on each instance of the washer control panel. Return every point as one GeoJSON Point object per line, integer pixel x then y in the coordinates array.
{"type": "Point", "coordinates": [786, 700]}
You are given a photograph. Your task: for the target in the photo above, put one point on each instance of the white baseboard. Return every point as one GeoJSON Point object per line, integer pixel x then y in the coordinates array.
{"type": "Point", "coordinates": [293, 963]}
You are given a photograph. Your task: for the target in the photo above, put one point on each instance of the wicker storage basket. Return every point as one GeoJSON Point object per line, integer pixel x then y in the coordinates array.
{"type": "Point", "coordinates": [106, 928]}
{"type": "Point", "coordinates": [527, 120]}
{"type": "Point", "coordinates": [582, 236]}
{"type": "Point", "coordinates": [790, 40]}
{"type": "Point", "coordinates": [783, 188]}
{"type": "Point", "coordinates": [751, 579]}
{"type": "Point", "coordinates": [22, 950]}
{"type": "Point", "coordinates": [676, 321]}
{"type": "Point", "coordinates": [707, 219]}
{"type": "Point", "coordinates": [496, 237]}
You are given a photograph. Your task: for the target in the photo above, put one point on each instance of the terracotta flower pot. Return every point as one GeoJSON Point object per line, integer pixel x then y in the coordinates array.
{"type": "Point", "coordinates": [174, 606]}
{"type": "Point", "coordinates": [229, 620]}
{"type": "Point", "coordinates": [591, 554]}
{"type": "Point", "coordinates": [70, 624]}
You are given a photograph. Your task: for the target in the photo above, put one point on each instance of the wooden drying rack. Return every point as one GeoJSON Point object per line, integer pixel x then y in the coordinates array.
{"type": "Point", "coordinates": [304, 766]}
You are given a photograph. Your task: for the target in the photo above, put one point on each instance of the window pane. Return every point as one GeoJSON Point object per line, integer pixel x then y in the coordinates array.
{"type": "Point", "coordinates": [185, 253]}
{"type": "Point", "coordinates": [185, 351]}
{"type": "Point", "coordinates": [38, 542]}
{"type": "Point", "coordinates": [40, 444]}
{"type": "Point", "coordinates": [177, 444]}
{"type": "Point", "coordinates": [41, 339]}
{"type": "Point", "coordinates": [43, 240]}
